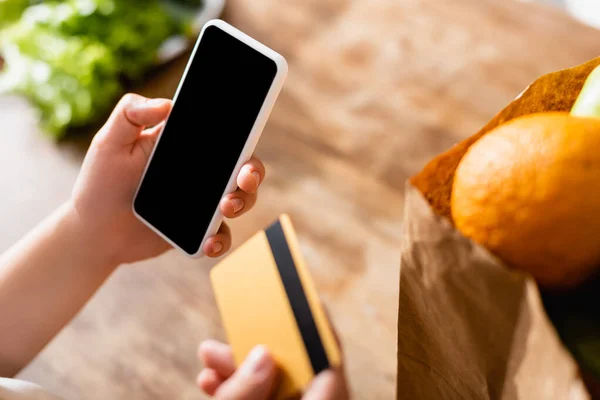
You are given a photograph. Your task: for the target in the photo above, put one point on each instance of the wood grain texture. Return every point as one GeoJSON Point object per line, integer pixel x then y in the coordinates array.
{"type": "Point", "coordinates": [375, 90]}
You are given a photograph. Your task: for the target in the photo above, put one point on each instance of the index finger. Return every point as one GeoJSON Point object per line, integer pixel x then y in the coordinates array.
{"type": "Point", "coordinates": [217, 356]}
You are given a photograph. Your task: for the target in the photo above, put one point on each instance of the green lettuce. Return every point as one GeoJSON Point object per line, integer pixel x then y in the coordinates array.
{"type": "Point", "coordinates": [69, 79]}
{"type": "Point", "coordinates": [70, 58]}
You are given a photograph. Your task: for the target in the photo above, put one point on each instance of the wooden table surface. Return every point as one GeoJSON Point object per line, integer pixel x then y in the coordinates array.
{"type": "Point", "coordinates": [375, 89]}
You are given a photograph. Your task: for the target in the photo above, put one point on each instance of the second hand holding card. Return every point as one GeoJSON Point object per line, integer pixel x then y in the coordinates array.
{"type": "Point", "coordinates": [266, 296]}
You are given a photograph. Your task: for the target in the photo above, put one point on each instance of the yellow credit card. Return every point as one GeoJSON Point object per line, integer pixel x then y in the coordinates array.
{"type": "Point", "coordinates": [266, 296]}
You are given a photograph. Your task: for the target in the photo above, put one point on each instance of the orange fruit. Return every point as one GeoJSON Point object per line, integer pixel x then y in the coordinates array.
{"type": "Point", "coordinates": [529, 191]}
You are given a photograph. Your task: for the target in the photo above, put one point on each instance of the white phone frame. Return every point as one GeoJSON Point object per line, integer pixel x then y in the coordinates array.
{"type": "Point", "coordinates": [255, 132]}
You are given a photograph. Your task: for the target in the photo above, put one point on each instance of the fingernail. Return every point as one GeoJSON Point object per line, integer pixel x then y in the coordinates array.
{"type": "Point", "coordinates": [258, 361]}
{"type": "Point", "coordinates": [256, 176]}
{"type": "Point", "coordinates": [149, 103]}
{"type": "Point", "coordinates": [217, 247]}
{"type": "Point", "coordinates": [156, 102]}
{"type": "Point", "coordinates": [237, 204]}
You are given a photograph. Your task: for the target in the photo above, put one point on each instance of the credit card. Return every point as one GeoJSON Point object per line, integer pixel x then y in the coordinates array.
{"type": "Point", "coordinates": [266, 296]}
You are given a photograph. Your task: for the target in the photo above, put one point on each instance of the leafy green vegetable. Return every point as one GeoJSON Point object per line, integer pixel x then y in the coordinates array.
{"type": "Point", "coordinates": [69, 56]}
{"type": "Point", "coordinates": [133, 30]}
{"type": "Point", "coordinates": [193, 3]}
{"type": "Point", "coordinates": [69, 79]}
{"type": "Point", "coordinates": [10, 10]}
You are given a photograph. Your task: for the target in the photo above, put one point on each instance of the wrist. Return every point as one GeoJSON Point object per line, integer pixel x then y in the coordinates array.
{"type": "Point", "coordinates": [90, 241]}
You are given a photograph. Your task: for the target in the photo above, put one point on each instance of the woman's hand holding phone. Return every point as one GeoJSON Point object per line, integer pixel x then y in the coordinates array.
{"type": "Point", "coordinates": [115, 216]}
{"type": "Point", "coordinates": [47, 276]}
{"type": "Point", "coordinates": [111, 172]}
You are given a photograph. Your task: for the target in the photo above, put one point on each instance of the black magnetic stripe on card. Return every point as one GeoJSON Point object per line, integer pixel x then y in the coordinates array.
{"type": "Point", "coordinates": [297, 297]}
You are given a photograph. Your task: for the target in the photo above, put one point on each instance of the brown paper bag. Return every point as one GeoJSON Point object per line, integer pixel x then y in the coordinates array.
{"type": "Point", "coordinates": [469, 327]}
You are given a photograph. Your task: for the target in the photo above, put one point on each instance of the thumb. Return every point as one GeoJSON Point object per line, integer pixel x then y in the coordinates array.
{"type": "Point", "coordinates": [131, 115]}
{"type": "Point", "coordinates": [253, 380]}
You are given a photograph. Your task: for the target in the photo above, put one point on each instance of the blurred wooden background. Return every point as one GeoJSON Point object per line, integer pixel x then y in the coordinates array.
{"type": "Point", "coordinates": [375, 89]}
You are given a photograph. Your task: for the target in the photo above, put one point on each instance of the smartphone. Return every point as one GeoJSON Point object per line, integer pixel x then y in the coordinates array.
{"type": "Point", "coordinates": [219, 110]}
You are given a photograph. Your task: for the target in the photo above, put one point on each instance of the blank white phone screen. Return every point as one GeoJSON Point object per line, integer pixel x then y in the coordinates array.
{"type": "Point", "coordinates": [215, 110]}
